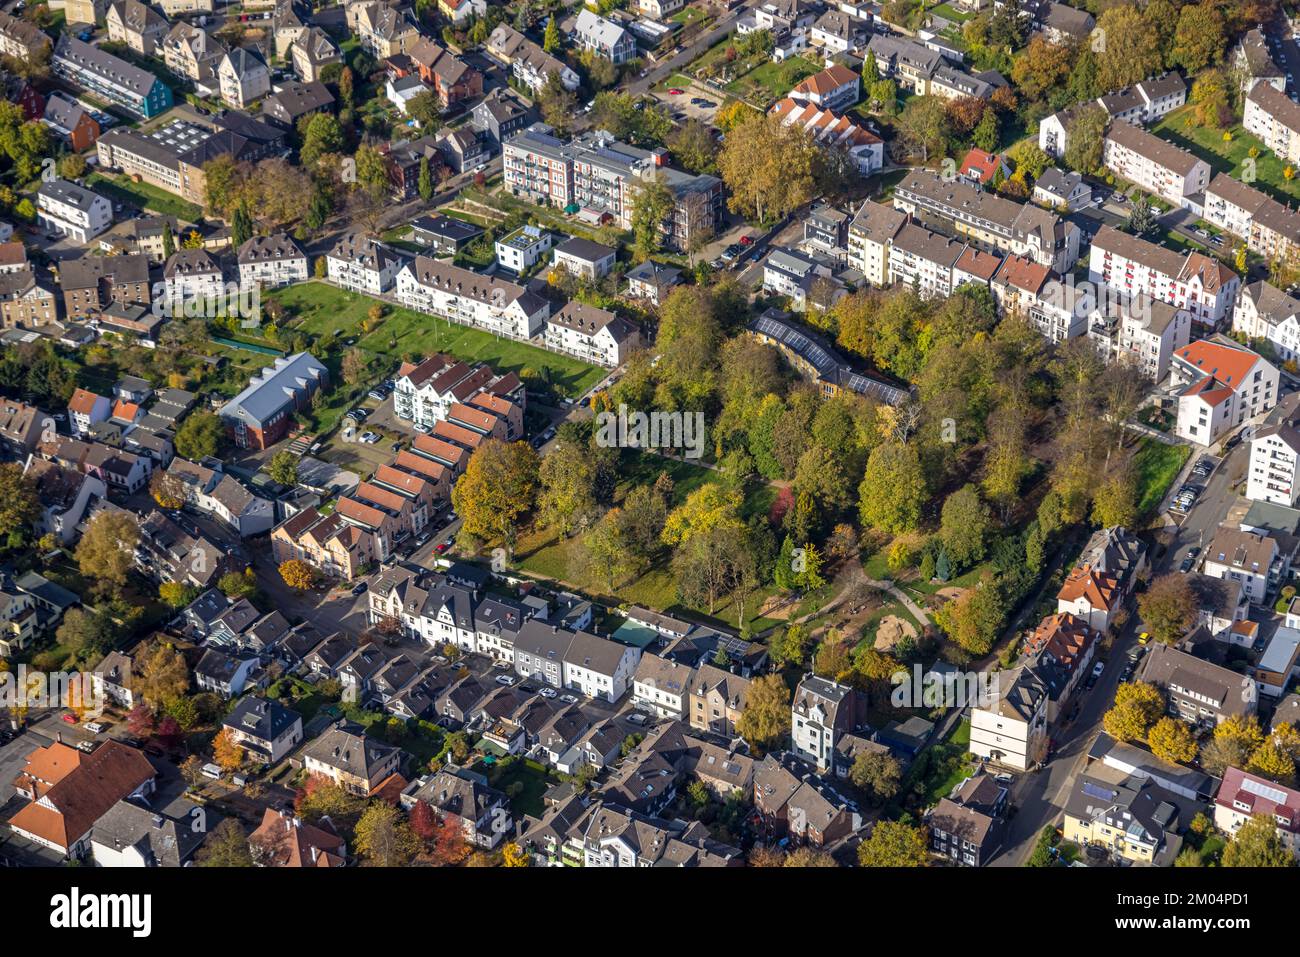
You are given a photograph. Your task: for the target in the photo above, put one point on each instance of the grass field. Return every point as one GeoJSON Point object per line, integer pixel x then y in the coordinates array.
{"type": "Point", "coordinates": [772, 80]}
{"type": "Point", "coordinates": [318, 308]}
{"type": "Point", "coordinates": [121, 189]}
{"type": "Point", "coordinates": [1157, 465]}
{"type": "Point", "coordinates": [1230, 157]}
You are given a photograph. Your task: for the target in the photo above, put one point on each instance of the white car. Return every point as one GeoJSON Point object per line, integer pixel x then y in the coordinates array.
{"type": "Point", "coordinates": [548, 693]}
{"type": "Point", "coordinates": [1098, 668]}
{"type": "Point", "coordinates": [506, 680]}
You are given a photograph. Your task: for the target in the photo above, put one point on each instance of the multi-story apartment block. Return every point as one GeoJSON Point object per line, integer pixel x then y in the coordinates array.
{"type": "Point", "coordinates": [1011, 730]}
{"type": "Point", "coordinates": [1275, 465]}
{"type": "Point", "coordinates": [460, 295]}
{"type": "Point", "coordinates": [529, 63]}
{"type": "Point", "coordinates": [1222, 384]}
{"type": "Point", "coordinates": [92, 283]}
{"type": "Point", "coordinates": [1265, 312]}
{"type": "Point", "coordinates": [242, 78]}
{"type": "Point", "coordinates": [21, 39]}
{"type": "Point", "coordinates": [923, 260]}
{"type": "Point", "coordinates": [990, 221]}
{"type": "Point", "coordinates": [821, 713]}
{"type": "Point", "coordinates": [1133, 267]}
{"type": "Point", "coordinates": [384, 30]}
{"type": "Point", "coordinates": [601, 175]}
{"type": "Point", "coordinates": [1141, 104]}
{"type": "Point", "coordinates": [327, 543]}
{"type": "Point", "coordinates": [1268, 227]}
{"type": "Point", "coordinates": [1272, 116]}
{"type": "Point", "coordinates": [1244, 796]}
{"type": "Point", "coordinates": [363, 264]}
{"type": "Point", "coordinates": [70, 210]}
{"type": "Point", "coordinates": [604, 37]}
{"type": "Point", "coordinates": [137, 25]}
{"type": "Point", "coordinates": [833, 131]}
{"type": "Point", "coordinates": [192, 53]}
{"type": "Point", "coordinates": [191, 275]}
{"type": "Point", "coordinates": [592, 334]}
{"type": "Point", "coordinates": [24, 302]}
{"type": "Point", "coordinates": [1143, 331]}
{"type": "Point", "coordinates": [1156, 165]}
{"type": "Point", "coordinates": [101, 73]}
{"type": "Point", "coordinates": [871, 234]}
{"type": "Point", "coordinates": [311, 53]}
{"type": "Point", "coordinates": [275, 260]}
{"type": "Point", "coordinates": [1057, 309]}
{"type": "Point", "coordinates": [261, 414]}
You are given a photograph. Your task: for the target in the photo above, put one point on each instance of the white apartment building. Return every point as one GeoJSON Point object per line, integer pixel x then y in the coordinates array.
{"type": "Point", "coordinates": [661, 687]}
{"type": "Point", "coordinates": [460, 295]}
{"type": "Point", "coordinates": [923, 260]}
{"type": "Point", "coordinates": [871, 232]}
{"type": "Point", "coordinates": [275, 260]}
{"type": "Point", "coordinates": [1274, 465]}
{"type": "Point", "coordinates": [192, 275]}
{"type": "Point", "coordinates": [821, 713]}
{"type": "Point", "coordinates": [1012, 730]}
{"type": "Point", "coordinates": [1056, 308]}
{"type": "Point", "coordinates": [1192, 281]}
{"type": "Point", "coordinates": [1249, 558]}
{"type": "Point", "coordinates": [592, 334]}
{"type": "Point", "coordinates": [1243, 796]}
{"type": "Point", "coordinates": [1272, 116]}
{"type": "Point", "coordinates": [71, 210]}
{"type": "Point", "coordinates": [1141, 104]}
{"type": "Point", "coordinates": [1144, 332]}
{"type": "Point", "coordinates": [242, 78]}
{"type": "Point", "coordinates": [1155, 165]}
{"type": "Point", "coordinates": [1222, 384]}
{"type": "Point", "coordinates": [362, 264]}
{"type": "Point", "coordinates": [523, 249]}
{"type": "Point", "coordinates": [1266, 312]}
{"type": "Point", "coordinates": [1268, 227]}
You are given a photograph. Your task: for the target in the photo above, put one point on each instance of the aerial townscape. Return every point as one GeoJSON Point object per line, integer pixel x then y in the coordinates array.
{"type": "Point", "coordinates": [649, 433]}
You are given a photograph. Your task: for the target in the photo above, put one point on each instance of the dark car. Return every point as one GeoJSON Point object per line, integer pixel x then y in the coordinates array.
{"type": "Point", "coordinates": [1188, 563]}
{"type": "Point", "coordinates": [359, 588]}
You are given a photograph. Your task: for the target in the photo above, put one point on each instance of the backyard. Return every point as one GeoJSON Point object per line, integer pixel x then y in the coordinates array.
{"type": "Point", "coordinates": [319, 309]}
{"type": "Point", "coordinates": [1230, 156]}
{"type": "Point", "coordinates": [122, 190]}
{"type": "Point", "coordinates": [1156, 465]}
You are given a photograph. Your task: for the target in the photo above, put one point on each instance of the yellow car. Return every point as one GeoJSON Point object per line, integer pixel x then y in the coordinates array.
{"type": "Point", "coordinates": [1143, 638]}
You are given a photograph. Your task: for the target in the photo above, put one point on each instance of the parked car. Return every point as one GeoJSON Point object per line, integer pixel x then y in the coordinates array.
{"type": "Point", "coordinates": [359, 587]}
{"type": "Point", "coordinates": [637, 718]}
{"type": "Point", "coordinates": [674, 91]}
{"type": "Point", "coordinates": [443, 546]}
{"type": "Point", "coordinates": [506, 680]}
{"type": "Point", "coordinates": [1098, 668]}
{"type": "Point", "coordinates": [569, 699]}
{"type": "Point", "coordinates": [548, 693]}
{"type": "Point", "coordinates": [1188, 564]}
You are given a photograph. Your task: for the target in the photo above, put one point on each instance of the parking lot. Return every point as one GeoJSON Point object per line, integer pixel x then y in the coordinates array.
{"type": "Point", "coordinates": [690, 104]}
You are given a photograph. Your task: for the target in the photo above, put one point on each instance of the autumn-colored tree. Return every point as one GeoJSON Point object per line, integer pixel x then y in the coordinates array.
{"type": "Point", "coordinates": [384, 839]}
{"type": "Point", "coordinates": [160, 673]}
{"type": "Point", "coordinates": [512, 855]}
{"type": "Point", "coordinates": [448, 847]}
{"type": "Point", "coordinates": [1270, 760]}
{"type": "Point", "coordinates": [1137, 707]}
{"type": "Point", "coordinates": [422, 820]}
{"type": "Point", "coordinates": [20, 503]}
{"type": "Point", "coordinates": [140, 721]}
{"type": "Point", "coordinates": [1168, 607]}
{"type": "Point", "coordinates": [1172, 740]}
{"type": "Point", "coordinates": [895, 844]}
{"type": "Point", "coordinates": [498, 487]}
{"type": "Point", "coordinates": [1236, 738]}
{"type": "Point", "coordinates": [106, 552]}
{"type": "Point", "coordinates": [765, 720]}
{"type": "Point", "coordinates": [808, 857]}
{"type": "Point", "coordinates": [1257, 844]}
{"type": "Point", "coordinates": [297, 574]}
{"type": "Point", "coordinates": [769, 168]}
{"type": "Point", "coordinates": [166, 490]}
{"type": "Point", "coordinates": [226, 846]}
{"type": "Point", "coordinates": [227, 752]}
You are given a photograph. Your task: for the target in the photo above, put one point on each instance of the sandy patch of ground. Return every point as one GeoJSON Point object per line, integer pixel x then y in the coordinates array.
{"type": "Point", "coordinates": [951, 593]}
{"type": "Point", "coordinates": [891, 631]}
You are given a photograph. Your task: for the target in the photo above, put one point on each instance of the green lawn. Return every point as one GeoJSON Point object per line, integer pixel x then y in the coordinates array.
{"type": "Point", "coordinates": [772, 80]}
{"type": "Point", "coordinates": [318, 308]}
{"type": "Point", "coordinates": [689, 15]}
{"type": "Point", "coordinates": [1157, 465]}
{"type": "Point", "coordinates": [121, 189]}
{"type": "Point", "coordinates": [533, 779]}
{"type": "Point", "coordinates": [1229, 157]}
{"type": "Point", "coordinates": [938, 769]}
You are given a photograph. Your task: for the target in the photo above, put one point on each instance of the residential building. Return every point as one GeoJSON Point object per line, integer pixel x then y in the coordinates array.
{"type": "Point", "coordinates": [584, 259]}
{"type": "Point", "coordinates": [91, 284]}
{"type": "Point", "coordinates": [242, 78]}
{"type": "Point", "coordinates": [1243, 796]}
{"type": "Point", "coordinates": [1265, 312]}
{"type": "Point", "coordinates": [459, 295]}
{"type": "Point", "coordinates": [523, 249]}
{"type": "Point", "coordinates": [1192, 281]}
{"type": "Point", "coordinates": [311, 53]}
{"type": "Point", "coordinates": [967, 827]}
{"type": "Point", "coordinates": [1222, 385]}
{"type": "Point", "coordinates": [529, 63]}
{"type": "Point", "coordinates": [592, 334]}
{"type": "Point", "coordinates": [871, 234]}
{"type": "Point", "coordinates": [837, 32]}
{"type": "Point", "coordinates": [662, 687]}
{"type": "Point", "coordinates": [717, 700]}
{"type": "Point", "coordinates": [1062, 190]}
{"type": "Point", "coordinates": [923, 260]}
{"type": "Point", "coordinates": [21, 39]}
{"type": "Point", "coordinates": [222, 497]}
{"type": "Point", "coordinates": [1268, 227]}
{"type": "Point", "coordinates": [22, 426]}
{"type": "Point", "coordinates": [1140, 104]}
{"type": "Point", "coordinates": [1011, 731]}
{"type": "Point", "coordinates": [1131, 818]}
{"type": "Point", "coordinates": [189, 276]}
{"type": "Point", "coordinates": [70, 121]}
{"type": "Point", "coordinates": [193, 54]}
{"type": "Point", "coordinates": [1254, 560]}
{"type": "Point", "coordinates": [1154, 164]}
{"type": "Point", "coordinates": [652, 281]}
{"type": "Point", "coordinates": [327, 543]}
{"type": "Point", "coordinates": [269, 261]}
{"type": "Point", "coordinates": [103, 74]}
{"type": "Point", "coordinates": [835, 88]}
{"type": "Point", "coordinates": [261, 414]}
{"type": "Point", "coordinates": [362, 264]}
{"type": "Point", "coordinates": [223, 674]}
{"type": "Point", "coordinates": [351, 759]}
{"type": "Point", "coordinates": [1144, 332]}
{"type": "Point", "coordinates": [1057, 308]}
{"type": "Point", "coordinates": [1274, 457]}
{"type": "Point", "coordinates": [459, 795]}
{"type": "Point", "coordinates": [990, 221]}
{"type": "Point", "coordinates": [604, 37]}
{"type": "Point", "coordinates": [578, 660]}
{"type": "Point", "coordinates": [384, 30]}
{"type": "Point", "coordinates": [1272, 116]}
{"type": "Point", "coordinates": [500, 115]}
{"type": "Point", "coordinates": [132, 834]}
{"type": "Point", "coordinates": [64, 208]}
{"type": "Point", "coordinates": [25, 303]}
{"type": "Point", "coordinates": [69, 791]}
{"type": "Point", "coordinates": [137, 25]}
{"type": "Point", "coordinates": [820, 713]}
{"type": "Point", "coordinates": [267, 730]}
{"type": "Point", "coordinates": [443, 235]}
{"type": "Point", "coordinates": [1253, 58]}
{"type": "Point", "coordinates": [1196, 690]}
{"type": "Point", "coordinates": [292, 101]}
{"type": "Point", "coordinates": [1092, 595]}
{"type": "Point", "coordinates": [283, 840]}
{"type": "Point", "coordinates": [833, 131]}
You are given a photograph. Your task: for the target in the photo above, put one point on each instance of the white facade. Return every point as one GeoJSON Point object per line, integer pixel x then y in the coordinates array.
{"type": "Point", "coordinates": [73, 211]}
{"type": "Point", "coordinates": [1000, 735]}
{"type": "Point", "coordinates": [472, 300]}
{"type": "Point", "coordinates": [1274, 466]}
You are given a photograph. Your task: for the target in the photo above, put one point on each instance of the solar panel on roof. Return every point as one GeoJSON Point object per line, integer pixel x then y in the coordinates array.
{"type": "Point", "coordinates": [1260, 789]}
{"type": "Point", "coordinates": [1097, 791]}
